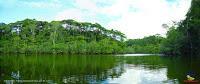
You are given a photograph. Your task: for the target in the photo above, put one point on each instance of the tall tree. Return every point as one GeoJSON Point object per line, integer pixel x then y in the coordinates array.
{"type": "Point", "coordinates": [185, 39]}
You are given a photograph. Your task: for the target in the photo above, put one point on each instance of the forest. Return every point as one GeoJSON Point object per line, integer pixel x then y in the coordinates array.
{"type": "Point", "coordinates": [183, 38]}
{"type": "Point", "coordinates": [72, 37]}
{"type": "Point", "coordinates": [67, 36]}
{"type": "Point", "coordinates": [150, 44]}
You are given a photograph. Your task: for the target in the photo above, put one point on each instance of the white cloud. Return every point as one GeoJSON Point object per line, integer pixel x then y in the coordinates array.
{"type": "Point", "coordinates": [50, 4]}
{"type": "Point", "coordinates": [70, 14]}
{"type": "Point", "coordinates": [118, 8]}
{"type": "Point", "coordinates": [86, 4]}
{"type": "Point", "coordinates": [137, 25]}
{"type": "Point", "coordinates": [137, 18]}
{"type": "Point", "coordinates": [135, 74]}
{"type": "Point", "coordinates": [149, 17]}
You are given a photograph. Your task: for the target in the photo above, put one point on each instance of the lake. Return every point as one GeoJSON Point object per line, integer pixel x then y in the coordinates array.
{"type": "Point", "coordinates": [122, 69]}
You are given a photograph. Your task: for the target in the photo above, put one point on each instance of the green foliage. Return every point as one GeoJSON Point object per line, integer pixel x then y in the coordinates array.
{"type": "Point", "coordinates": [149, 44]}
{"type": "Point", "coordinates": [65, 37]}
{"type": "Point", "coordinates": [172, 44]}
{"type": "Point", "coordinates": [185, 39]}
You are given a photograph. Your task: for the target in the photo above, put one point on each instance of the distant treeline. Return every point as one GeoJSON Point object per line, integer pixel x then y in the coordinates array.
{"type": "Point", "coordinates": [150, 44]}
{"type": "Point", "coordinates": [67, 36]}
{"type": "Point", "coordinates": [70, 37]}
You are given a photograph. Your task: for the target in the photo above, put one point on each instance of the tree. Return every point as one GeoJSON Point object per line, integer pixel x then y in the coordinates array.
{"type": "Point", "coordinates": [173, 43]}
{"type": "Point", "coordinates": [184, 40]}
{"type": "Point", "coordinates": [67, 36]}
{"type": "Point", "coordinates": [150, 44]}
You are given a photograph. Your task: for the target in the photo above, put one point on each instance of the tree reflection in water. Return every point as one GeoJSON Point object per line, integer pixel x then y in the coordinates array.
{"type": "Point", "coordinates": [97, 69]}
{"type": "Point", "coordinates": [70, 69]}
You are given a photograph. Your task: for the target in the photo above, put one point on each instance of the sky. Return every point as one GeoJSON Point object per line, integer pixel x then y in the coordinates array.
{"type": "Point", "coordinates": [134, 18]}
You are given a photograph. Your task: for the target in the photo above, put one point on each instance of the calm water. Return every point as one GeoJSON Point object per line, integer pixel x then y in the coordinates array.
{"type": "Point", "coordinates": [126, 69]}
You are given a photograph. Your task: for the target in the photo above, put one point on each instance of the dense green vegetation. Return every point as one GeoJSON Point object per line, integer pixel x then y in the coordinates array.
{"type": "Point", "coordinates": [150, 44]}
{"type": "Point", "coordinates": [67, 36]}
{"type": "Point", "coordinates": [72, 37]}
{"type": "Point", "coordinates": [184, 37]}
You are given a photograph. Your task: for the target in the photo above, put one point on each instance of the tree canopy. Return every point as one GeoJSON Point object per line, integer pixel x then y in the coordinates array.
{"type": "Point", "coordinates": [185, 38]}
{"type": "Point", "coordinates": [66, 36]}
{"type": "Point", "coordinates": [150, 44]}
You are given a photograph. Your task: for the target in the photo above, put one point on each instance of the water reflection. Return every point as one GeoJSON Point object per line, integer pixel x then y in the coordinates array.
{"type": "Point", "coordinates": [74, 69]}
{"type": "Point", "coordinates": [97, 69]}
{"type": "Point", "coordinates": [140, 75]}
